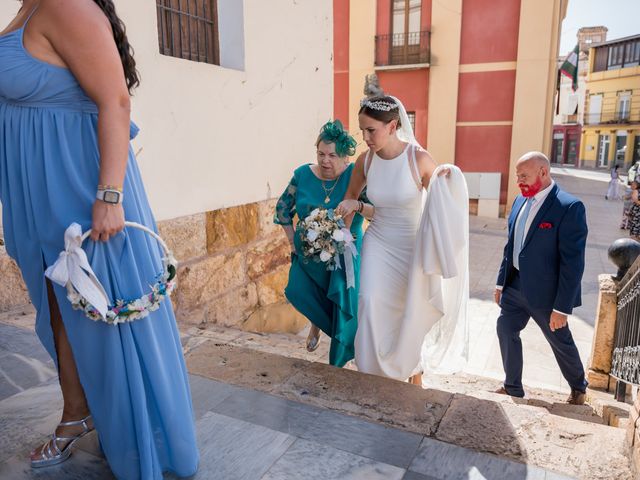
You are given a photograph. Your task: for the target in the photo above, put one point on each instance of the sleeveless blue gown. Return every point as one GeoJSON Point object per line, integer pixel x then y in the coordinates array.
{"type": "Point", "coordinates": [133, 374]}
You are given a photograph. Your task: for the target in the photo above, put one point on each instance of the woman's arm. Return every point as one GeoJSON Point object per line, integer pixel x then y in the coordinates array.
{"type": "Point", "coordinates": [286, 210]}
{"type": "Point", "coordinates": [82, 36]}
{"type": "Point", "coordinates": [634, 197]}
{"type": "Point", "coordinates": [290, 232]}
{"type": "Point", "coordinates": [358, 181]}
{"type": "Point", "coordinates": [426, 166]}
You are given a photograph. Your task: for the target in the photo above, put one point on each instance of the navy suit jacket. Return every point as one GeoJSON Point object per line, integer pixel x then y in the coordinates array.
{"type": "Point", "coordinates": [552, 255]}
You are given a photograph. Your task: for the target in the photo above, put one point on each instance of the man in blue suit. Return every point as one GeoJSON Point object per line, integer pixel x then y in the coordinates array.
{"type": "Point", "coordinates": [541, 273]}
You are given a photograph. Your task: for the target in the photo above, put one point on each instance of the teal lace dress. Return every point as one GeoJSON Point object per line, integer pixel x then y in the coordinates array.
{"type": "Point", "coordinates": [320, 295]}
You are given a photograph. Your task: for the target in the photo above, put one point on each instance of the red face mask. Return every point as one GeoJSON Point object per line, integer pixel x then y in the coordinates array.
{"type": "Point", "coordinates": [529, 191]}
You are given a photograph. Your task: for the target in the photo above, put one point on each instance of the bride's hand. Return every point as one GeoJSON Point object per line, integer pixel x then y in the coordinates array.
{"type": "Point", "coordinates": [347, 207]}
{"type": "Point", "coordinates": [445, 171]}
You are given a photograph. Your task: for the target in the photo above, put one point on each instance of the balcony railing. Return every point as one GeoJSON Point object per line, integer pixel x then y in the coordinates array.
{"type": "Point", "coordinates": [608, 118]}
{"type": "Point", "coordinates": [625, 364]}
{"type": "Point", "coordinates": [412, 48]}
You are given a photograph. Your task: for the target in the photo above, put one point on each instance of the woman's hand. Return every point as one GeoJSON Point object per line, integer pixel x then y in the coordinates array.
{"type": "Point", "coordinates": [108, 219]}
{"type": "Point", "coordinates": [445, 172]}
{"type": "Point", "coordinates": [347, 207]}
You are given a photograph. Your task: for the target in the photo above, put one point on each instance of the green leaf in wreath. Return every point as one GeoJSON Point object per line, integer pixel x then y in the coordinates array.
{"type": "Point", "coordinates": [172, 272]}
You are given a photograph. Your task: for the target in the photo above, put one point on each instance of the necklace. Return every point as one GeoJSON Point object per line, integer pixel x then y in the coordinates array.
{"type": "Point", "coordinates": [329, 191]}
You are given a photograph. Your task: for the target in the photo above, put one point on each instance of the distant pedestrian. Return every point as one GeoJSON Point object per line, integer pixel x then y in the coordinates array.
{"type": "Point", "coordinates": [634, 212]}
{"type": "Point", "coordinates": [613, 192]}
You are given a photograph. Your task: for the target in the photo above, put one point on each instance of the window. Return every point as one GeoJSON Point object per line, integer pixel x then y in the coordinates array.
{"type": "Point", "coordinates": [624, 106]}
{"type": "Point", "coordinates": [189, 29]}
{"type": "Point", "coordinates": [406, 18]}
{"type": "Point", "coordinates": [412, 121]}
{"type": "Point", "coordinates": [615, 57]}
{"type": "Point", "coordinates": [624, 55]}
{"type": "Point", "coordinates": [407, 44]}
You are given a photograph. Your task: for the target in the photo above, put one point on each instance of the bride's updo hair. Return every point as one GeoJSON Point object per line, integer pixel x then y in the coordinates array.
{"type": "Point", "coordinates": [382, 108]}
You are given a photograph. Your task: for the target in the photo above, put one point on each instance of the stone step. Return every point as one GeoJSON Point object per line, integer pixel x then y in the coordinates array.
{"type": "Point", "coordinates": [601, 408]}
{"type": "Point", "coordinates": [530, 433]}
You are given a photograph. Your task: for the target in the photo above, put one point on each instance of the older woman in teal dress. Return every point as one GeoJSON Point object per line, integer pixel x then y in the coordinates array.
{"type": "Point", "coordinates": [321, 295]}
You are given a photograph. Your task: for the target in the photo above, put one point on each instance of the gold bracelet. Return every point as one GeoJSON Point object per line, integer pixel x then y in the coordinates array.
{"type": "Point", "coordinates": [110, 187]}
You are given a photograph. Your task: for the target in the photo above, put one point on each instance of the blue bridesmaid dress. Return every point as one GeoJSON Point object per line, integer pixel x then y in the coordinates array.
{"type": "Point", "coordinates": [133, 374]}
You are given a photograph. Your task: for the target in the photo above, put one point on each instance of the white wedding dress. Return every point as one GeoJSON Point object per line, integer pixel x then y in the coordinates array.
{"type": "Point", "coordinates": [387, 253]}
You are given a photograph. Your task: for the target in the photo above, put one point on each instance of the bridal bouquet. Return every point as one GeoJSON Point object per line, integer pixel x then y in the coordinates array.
{"type": "Point", "coordinates": [325, 237]}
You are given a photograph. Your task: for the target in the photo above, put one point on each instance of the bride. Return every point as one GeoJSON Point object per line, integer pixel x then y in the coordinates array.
{"type": "Point", "coordinates": [414, 282]}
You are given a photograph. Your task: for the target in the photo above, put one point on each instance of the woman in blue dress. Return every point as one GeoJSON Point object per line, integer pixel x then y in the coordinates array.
{"type": "Point", "coordinates": [66, 70]}
{"type": "Point", "coordinates": [321, 295]}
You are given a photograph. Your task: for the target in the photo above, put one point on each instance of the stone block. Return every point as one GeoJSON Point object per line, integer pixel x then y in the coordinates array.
{"type": "Point", "coordinates": [604, 331]}
{"type": "Point", "coordinates": [201, 281]}
{"type": "Point", "coordinates": [242, 366]}
{"type": "Point", "coordinates": [266, 211]}
{"type": "Point", "coordinates": [266, 256]}
{"type": "Point", "coordinates": [185, 236]}
{"type": "Point", "coordinates": [598, 379]}
{"type": "Point", "coordinates": [232, 227]}
{"type": "Point", "coordinates": [630, 432]}
{"type": "Point", "coordinates": [271, 286]}
{"type": "Point", "coordinates": [13, 292]}
{"type": "Point", "coordinates": [397, 404]}
{"type": "Point", "coordinates": [233, 308]}
{"type": "Point", "coordinates": [532, 436]}
{"type": "Point", "coordinates": [277, 318]}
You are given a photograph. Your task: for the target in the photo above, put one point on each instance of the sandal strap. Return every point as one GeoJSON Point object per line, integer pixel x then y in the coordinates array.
{"type": "Point", "coordinates": [74, 423]}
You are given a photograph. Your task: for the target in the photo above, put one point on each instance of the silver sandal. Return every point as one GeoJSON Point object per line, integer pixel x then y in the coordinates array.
{"type": "Point", "coordinates": [51, 453]}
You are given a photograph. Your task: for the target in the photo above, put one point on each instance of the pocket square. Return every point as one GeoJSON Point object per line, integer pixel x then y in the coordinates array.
{"type": "Point", "coordinates": [545, 225]}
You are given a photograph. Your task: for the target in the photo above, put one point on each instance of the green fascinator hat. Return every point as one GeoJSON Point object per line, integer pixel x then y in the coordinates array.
{"type": "Point", "coordinates": [334, 132]}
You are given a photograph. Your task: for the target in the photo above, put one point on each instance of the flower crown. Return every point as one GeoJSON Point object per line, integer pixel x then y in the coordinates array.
{"type": "Point", "coordinates": [382, 105]}
{"type": "Point", "coordinates": [334, 132]}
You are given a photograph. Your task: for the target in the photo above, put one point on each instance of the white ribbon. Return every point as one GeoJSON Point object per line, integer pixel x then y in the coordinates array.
{"type": "Point", "coordinates": [348, 259]}
{"type": "Point", "coordinates": [72, 268]}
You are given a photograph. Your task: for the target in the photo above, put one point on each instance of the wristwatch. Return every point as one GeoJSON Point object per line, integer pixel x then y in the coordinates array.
{"type": "Point", "coordinates": [109, 195]}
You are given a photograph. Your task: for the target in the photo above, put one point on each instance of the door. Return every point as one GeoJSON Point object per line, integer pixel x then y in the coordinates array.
{"type": "Point", "coordinates": [572, 150]}
{"type": "Point", "coordinates": [557, 148]}
{"type": "Point", "coordinates": [603, 150]}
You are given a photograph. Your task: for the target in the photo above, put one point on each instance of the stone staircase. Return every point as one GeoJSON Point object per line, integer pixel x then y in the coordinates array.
{"type": "Point", "coordinates": [586, 442]}
{"type": "Point", "coordinates": [540, 433]}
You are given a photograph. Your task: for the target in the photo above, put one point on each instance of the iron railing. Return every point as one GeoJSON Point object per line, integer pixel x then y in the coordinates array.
{"type": "Point", "coordinates": [604, 118]}
{"type": "Point", "coordinates": [411, 48]}
{"type": "Point", "coordinates": [625, 362]}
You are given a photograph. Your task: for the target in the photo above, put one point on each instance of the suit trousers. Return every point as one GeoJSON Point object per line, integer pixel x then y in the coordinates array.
{"type": "Point", "coordinates": [514, 316]}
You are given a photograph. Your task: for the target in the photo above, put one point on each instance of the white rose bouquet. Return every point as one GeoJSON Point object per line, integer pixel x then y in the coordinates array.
{"type": "Point", "coordinates": [325, 237]}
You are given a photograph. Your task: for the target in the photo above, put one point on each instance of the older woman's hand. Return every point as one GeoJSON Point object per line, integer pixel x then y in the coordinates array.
{"type": "Point", "coordinates": [445, 171]}
{"type": "Point", "coordinates": [347, 207]}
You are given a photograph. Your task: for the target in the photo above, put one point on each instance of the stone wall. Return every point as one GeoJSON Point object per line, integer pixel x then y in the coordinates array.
{"type": "Point", "coordinates": [633, 434]}
{"type": "Point", "coordinates": [233, 267]}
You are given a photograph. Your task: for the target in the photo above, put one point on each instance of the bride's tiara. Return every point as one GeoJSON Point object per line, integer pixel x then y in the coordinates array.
{"type": "Point", "coordinates": [378, 105]}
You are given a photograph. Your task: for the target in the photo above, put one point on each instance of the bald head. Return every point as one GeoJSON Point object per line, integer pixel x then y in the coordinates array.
{"type": "Point", "coordinates": [538, 158]}
{"type": "Point", "coordinates": [533, 173]}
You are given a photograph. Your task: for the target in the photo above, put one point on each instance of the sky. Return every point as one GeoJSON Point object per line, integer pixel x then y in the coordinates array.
{"type": "Point", "coordinates": [621, 17]}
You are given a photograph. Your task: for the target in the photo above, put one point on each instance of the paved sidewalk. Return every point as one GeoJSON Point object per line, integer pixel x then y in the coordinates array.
{"type": "Point", "coordinates": [487, 239]}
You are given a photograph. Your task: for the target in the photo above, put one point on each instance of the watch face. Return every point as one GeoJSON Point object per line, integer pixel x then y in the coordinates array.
{"type": "Point", "coordinates": [111, 197]}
